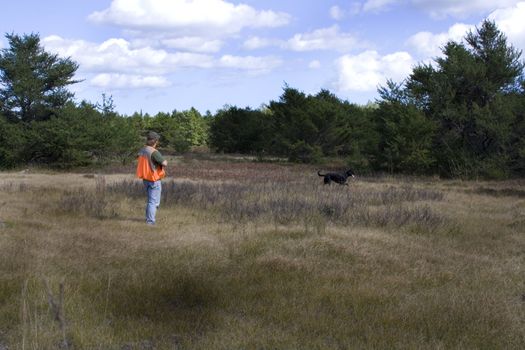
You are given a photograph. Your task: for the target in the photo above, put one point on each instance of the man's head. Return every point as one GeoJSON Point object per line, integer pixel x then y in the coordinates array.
{"type": "Point", "coordinates": [152, 138]}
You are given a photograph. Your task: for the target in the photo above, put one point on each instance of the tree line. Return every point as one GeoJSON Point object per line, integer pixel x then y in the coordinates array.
{"type": "Point", "coordinates": [462, 115]}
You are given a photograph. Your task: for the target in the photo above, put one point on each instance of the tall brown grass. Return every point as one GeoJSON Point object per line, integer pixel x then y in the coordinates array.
{"type": "Point", "coordinates": [280, 202]}
{"type": "Point", "coordinates": [275, 260]}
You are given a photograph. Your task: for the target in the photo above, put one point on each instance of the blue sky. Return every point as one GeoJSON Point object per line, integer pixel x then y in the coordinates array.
{"type": "Point", "coordinates": [164, 55]}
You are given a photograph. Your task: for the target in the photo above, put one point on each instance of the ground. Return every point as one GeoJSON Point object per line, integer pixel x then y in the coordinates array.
{"type": "Point", "coordinates": [251, 255]}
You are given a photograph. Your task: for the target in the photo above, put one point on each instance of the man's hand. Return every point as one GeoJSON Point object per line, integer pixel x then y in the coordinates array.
{"type": "Point", "coordinates": [165, 163]}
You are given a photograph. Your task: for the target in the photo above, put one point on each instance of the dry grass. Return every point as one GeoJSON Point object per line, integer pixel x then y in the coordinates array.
{"type": "Point", "coordinates": [251, 255]}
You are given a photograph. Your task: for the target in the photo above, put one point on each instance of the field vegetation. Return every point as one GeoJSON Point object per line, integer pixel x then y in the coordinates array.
{"type": "Point", "coordinates": [251, 255]}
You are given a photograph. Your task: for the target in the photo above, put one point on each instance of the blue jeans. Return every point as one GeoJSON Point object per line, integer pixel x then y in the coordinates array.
{"type": "Point", "coordinates": [153, 189]}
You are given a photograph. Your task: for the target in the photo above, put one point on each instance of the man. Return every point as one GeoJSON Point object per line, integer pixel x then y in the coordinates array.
{"type": "Point", "coordinates": [150, 169]}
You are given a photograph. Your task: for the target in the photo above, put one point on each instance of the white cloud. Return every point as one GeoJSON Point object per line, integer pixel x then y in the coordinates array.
{"type": "Point", "coordinates": [442, 8]}
{"type": "Point", "coordinates": [256, 65]}
{"type": "Point", "coordinates": [354, 8]}
{"type": "Point", "coordinates": [460, 9]}
{"type": "Point", "coordinates": [510, 21]}
{"type": "Point", "coordinates": [367, 70]}
{"type": "Point", "coordinates": [117, 56]}
{"type": "Point", "coordinates": [330, 38]}
{"type": "Point", "coordinates": [428, 45]}
{"type": "Point", "coordinates": [194, 44]}
{"type": "Point", "coordinates": [377, 5]}
{"type": "Point", "coordinates": [118, 64]}
{"type": "Point", "coordinates": [216, 17]}
{"type": "Point", "coordinates": [337, 13]}
{"type": "Point", "coordinates": [315, 64]}
{"type": "Point", "coordinates": [124, 81]}
{"type": "Point", "coordinates": [324, 39]}
{"type": "Point", "coordinates": [198, 26]}
{"type": "Point", "coordinates": [259, 43]}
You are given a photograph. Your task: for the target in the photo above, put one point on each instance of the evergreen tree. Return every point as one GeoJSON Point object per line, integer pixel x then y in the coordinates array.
{"type": "Point", "coordinates": [466, 93]}
{"type": "Point", "coordinates": [240, 130]}
{"type": "Point", "coordinates": [32, 81]}
{"type": "Point", "coordinates": [406, 136]}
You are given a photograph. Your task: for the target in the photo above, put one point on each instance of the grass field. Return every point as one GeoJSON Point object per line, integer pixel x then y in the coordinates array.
{"type": "Point", "coordinates": [250, 255]}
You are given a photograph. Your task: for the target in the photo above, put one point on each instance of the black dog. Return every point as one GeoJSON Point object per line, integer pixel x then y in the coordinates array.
{"type": "Point", "coordinates": [335, 177]}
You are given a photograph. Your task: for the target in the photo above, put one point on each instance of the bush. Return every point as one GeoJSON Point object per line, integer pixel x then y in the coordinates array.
{"type": "Point", "coordinates": [304, 153]}
{"type": "Point", "coordinates": [81, 136]}
{"type": "Point", "coordinates": [12, 139]}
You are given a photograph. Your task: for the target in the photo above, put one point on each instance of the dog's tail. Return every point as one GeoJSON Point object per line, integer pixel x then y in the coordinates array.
{"type": "Point", "coordinates": [319, 173]}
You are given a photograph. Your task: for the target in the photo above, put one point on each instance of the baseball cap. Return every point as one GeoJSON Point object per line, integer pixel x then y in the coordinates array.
{"type": "Point", "coordinates": [152, 135]}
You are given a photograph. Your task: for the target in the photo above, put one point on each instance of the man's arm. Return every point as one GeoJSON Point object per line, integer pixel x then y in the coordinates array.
{"type": "Point", "coordinates": [158, 159]}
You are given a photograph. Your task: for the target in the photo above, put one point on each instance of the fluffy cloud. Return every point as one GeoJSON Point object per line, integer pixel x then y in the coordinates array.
{"type": "Point", "coordinates": [330, 38]}
{"type": "Point", "coordinates": [442, 8]}
{"type": "Point", "coordinates": [364, 72]}
{"type": "Point", "coordinates": [197, 26]}
{"type": "Point", "coordinates": [510, 21]}
{"type": "Point", "coordinates": [337, 13]}
{"type": "Point", "coordinates": [117, 63]}
{"type": "Point", "coordinates": [196, 16]}
{"type": "Point", "coordinates": [428, 45]}
{"type": "Point", "coordinates": [315, 64]}
{"type": "Point", "coordinates": [126, 81]}
{"type": "Point", "coordinates": [351, 9]}
{"type": "Point", "coordinates": [194, 44]}
{"type": "Point", "coordinates": [255, 65]}
{"type": "Point", "coordinates": [460, 9]}
{"type": "Point", "coordinates": [367, 70]}
{"type": "Point", "coordinates": [118, 56]}
{"type": "Point", "coordinates": [324, 39]}
{"type": "Point", "coordinates": [377, 5]}
{"type": "Point", "coordinates": [259, 43]}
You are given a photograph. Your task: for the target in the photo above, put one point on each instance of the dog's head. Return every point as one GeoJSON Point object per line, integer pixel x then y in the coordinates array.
{"type": "Point", "coordinates": [349, 173]}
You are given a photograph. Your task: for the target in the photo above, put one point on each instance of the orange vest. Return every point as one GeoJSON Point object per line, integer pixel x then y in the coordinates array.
{"type": "Point", "coordinates": [146, 168]}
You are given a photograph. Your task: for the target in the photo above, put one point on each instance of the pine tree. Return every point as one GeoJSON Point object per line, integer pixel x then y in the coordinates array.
{"type": "Point", "coordinates": [32, 81]}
